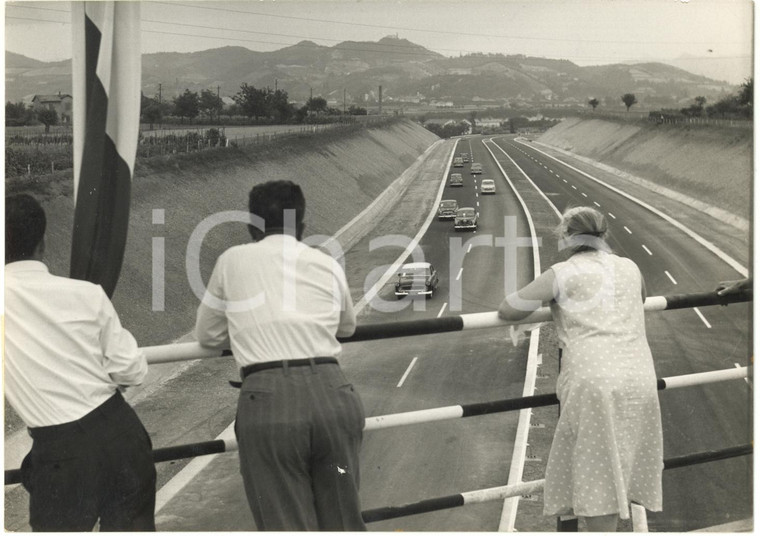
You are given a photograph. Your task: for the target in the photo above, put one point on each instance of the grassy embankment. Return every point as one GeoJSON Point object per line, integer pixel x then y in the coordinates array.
{"type": "Point", "coordinates": [707, 163]}
{"type": "Point", "coordinates": [340, 172]}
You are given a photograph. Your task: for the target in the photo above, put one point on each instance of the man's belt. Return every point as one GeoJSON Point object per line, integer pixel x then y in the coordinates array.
{"type": "Point", "coordinates": [284, 363]}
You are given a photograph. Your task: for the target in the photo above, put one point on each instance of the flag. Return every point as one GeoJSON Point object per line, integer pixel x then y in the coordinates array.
{"type": "Point", "coordinates": [106, 117]}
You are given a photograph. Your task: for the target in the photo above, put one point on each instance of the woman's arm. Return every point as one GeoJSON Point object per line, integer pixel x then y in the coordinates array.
{"type": "Point", "coordinates": [520, 304]}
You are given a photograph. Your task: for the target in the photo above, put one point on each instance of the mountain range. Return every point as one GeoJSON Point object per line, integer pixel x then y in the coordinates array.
{"type": "Point", "coordinates": [407, 72]}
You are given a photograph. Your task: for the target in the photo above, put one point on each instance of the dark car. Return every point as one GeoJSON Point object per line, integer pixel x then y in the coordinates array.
{"type": "Point", "coordinates": [466, 218]}
{"type": "Point", "coordinates": [456, 179]}
{"type": "Point", "coordinates": [447, 209]}
{"type": "Point", "coordinates": [416, 279]}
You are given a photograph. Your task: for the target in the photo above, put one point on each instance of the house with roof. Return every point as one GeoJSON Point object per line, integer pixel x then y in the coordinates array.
{"type": "Point", "coordinates": [61, 103]}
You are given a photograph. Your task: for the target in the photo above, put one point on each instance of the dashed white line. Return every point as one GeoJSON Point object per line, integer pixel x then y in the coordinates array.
{"type": "Point", "coordinates": [477, 203]}
{"type": "Point", "coordinates": [597, 204]}
{"type": "Point", "coordinates": [408, 370]}
{"type": "Point", "coordinates": [459, 274]}
{"type": "Point", "coordinates": [646, 249]}
{"type": "Point", "coordinates": [564, 180]}
{"type": "Point", "coordinates": [469, 248]}
{"type": "Point", "coordinates": [671, 277]}
{"type": "Point", "coordinates": [583, 194]}
{"type": "Point", "coordinates": [574, 188]}
{"type": "Point", "coordinates": [701, 316]}
{"type": "Point", "coordinates": [612, 215]}
{"type": "Point", "coordinates": [442, 309]}
{"type": "Point", "coordinates": [627, 229]}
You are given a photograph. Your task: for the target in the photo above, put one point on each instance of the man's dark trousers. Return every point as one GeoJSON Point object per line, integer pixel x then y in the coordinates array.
{"type": "Point", "coordinates": [299, 431]}
{"type": "Point", "coordinates": [98, 467]}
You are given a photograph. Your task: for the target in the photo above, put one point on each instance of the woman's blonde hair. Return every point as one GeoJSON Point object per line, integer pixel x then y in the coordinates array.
{"type": "Point", "coordinates": [583, 229]}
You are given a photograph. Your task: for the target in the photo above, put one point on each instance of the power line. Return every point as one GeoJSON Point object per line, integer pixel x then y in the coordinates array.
{"type": "Point", "coordinates": [425, 30]}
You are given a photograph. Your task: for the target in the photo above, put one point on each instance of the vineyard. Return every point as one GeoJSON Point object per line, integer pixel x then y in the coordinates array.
{"type": "Point", "coordinates": [32, 152]}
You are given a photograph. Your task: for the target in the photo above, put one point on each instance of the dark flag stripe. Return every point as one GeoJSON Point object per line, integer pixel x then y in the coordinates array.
{"type": "Point", "coordinates": [104, 173]}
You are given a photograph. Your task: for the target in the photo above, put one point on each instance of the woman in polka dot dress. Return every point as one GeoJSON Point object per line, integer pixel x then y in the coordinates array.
{"type": "Point", "coordinates": [607, 448]}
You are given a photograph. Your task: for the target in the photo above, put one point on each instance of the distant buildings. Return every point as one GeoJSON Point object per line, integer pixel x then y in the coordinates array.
{"type": "Point", "coordinates": [61, 104]}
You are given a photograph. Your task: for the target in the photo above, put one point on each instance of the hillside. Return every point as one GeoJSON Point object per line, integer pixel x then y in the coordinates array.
{"type": "Point", "coordinates": [710, 164]}
{"type": "Point", "coordinates": [407, 72]}
{"type": "Point", "coordinates": [339, 176]}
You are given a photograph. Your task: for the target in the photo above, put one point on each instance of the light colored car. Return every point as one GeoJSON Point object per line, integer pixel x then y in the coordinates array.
{"type": "Point", "coordinates": [465, 157]}
{"type": "Point", "coordinates": [456, 179]}
{"type": "Point", "coordinates": [416, 279]}
{"type": "Point", "coordinates": [487, 186]}
{"type": "Point", "coordinates": [458, 161]}
{"type": "Point", "coordinates": [476, 169]}
{"type": "Point", "coordinates": [466, 218]}
{"type": "Point", "coordinates": [447, 209]}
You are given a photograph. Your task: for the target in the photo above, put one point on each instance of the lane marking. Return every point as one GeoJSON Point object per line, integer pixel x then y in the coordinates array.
{"type": "Point", "coordinates": [597, 204]}
{"type": "Point", "coordinates": [646, 249]}
{"type": "Point", "coordinates": [627, 229]}
{"type": "Point", "coordinates": [564, 180]}
{"type": "Point", "coordinates": [583, 194]}
{"type": "Point", "coordinates": [612, 215]}
{"type": "Point", "coordinates": [699, 313]}
{"type": "Point", "coordinates": [574, 188]}
{"type": "Point", "coordinates": [460, 273]}
{"type": "Point", "coordinates": [442, 309]}
{"type": "Point", "coordinates": [469, 248]}
{"type": "Point", "coordinates": [736, 265]}
{"type": "Point", "coordinates": [408, 370]}
{"type": "Point", "coordinates": [671, 277]}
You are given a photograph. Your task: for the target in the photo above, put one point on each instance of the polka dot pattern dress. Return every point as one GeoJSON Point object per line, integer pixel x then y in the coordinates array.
{"type": "Point", "coordinates": [607, 448]}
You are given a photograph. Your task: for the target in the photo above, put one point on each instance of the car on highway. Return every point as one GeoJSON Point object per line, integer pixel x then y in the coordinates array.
{"type": "Point", "coordinates": [465, 157]}
{"type": "Point", "coordinates": [456, 179]}
{"type": "Point", "coordinates": [447, 209]}
{"type": "Point", "coordinates": [458, 162]}
{"type": "Point", "coordinates": [476, 169]}
{"type": "Point", "coordinates": [466, 218]}
{"type": "Point", "coordinates": [416, 279]}
{"type": "Point", "coordinates": [487, 186]}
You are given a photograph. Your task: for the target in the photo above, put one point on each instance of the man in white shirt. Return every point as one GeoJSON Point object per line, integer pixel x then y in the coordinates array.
{"type": "Point", "coordinates": [66, 355]}
{"type": "Point", "coordinates": [280, 305]}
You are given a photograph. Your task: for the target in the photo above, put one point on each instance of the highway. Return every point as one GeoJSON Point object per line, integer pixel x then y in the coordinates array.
{"type": "Point", "coordinates": [409, 464]}
{"type": "Point", "coordinates": [682, 342]}
{"type": "Point", "coordinates": [414, 463]}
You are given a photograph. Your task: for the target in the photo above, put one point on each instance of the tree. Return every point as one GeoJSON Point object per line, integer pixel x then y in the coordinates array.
{"type": "Point", "coordinates": [473, 116]}
{"type": "Point", "coordinates": [47, 117]}
{"type": "Point", "coordinates": [696, 109]}
{"type": "Point", "coordinates": [152, 113]}
{"type": "Point", "coordinates": [186, 105]}
{"type": "Point", "coordinates": [316, 104]}
{"type": "Point", "coordinates": [629, 99]}
{"type": "Point", "coordinates": [277, 103]}
{"type": "Point", "coordinates": [252, 101]}
{"type": "Point", "coordinates": [357, 110]}
{"type": "Point", "coordinates": [17, 114]}
{"type": "Point", "coordinates": [593, 103]}
{"type": "Point", "coordinates": [210, 104]}
{"type": "Point", "coordinates": [746, 92]}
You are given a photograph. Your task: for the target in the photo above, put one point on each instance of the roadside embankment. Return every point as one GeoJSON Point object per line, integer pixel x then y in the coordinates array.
{"type": "Point", "coordinates": [708, 168]}
{"type": "Point", "coordinates": [340, 176]}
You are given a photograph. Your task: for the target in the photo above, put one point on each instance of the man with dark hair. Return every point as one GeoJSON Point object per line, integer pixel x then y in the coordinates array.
{"type": "Point", "coordinates": [280, 305]}
{"type": "Point", "coordinates": [66, 359]}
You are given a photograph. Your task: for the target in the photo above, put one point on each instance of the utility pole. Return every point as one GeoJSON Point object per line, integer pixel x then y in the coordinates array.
{"type": "Point", "coordinates": [344, 101]}
{"type": "Point", "coordinates": [159, 93]}
{"type": "Point", "coordinates": [380, 100]}
{"type": "Point", "coordinates": [275, 85]}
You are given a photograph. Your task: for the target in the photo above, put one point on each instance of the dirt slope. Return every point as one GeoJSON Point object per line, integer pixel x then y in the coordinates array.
{"type": "Point", "coordinates": [340, 176]}
{"type": "Point", "coordinates": [710, 164]}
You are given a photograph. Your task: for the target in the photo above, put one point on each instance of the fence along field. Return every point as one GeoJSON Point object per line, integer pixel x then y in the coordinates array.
{"type": "Point", "coordinates": [32, 152]}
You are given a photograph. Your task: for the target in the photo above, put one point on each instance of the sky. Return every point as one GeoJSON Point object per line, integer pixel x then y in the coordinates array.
{"type": "Point", "coordinates": [711, 37]}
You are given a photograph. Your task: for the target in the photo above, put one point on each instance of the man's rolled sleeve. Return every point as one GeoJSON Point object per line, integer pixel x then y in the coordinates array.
{"type": "Point", "coordinates": [124, 362]}
{"type": "Point", "coordinates": [211, 329]}
{"type": "Point", "coordinates": [347, 324]}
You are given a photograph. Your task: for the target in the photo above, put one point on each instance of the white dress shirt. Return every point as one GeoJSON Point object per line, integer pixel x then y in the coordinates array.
{"type": "Point", "coordinates": [65, 349]}
{"type": "Point", "coordinates": [276, 299]}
